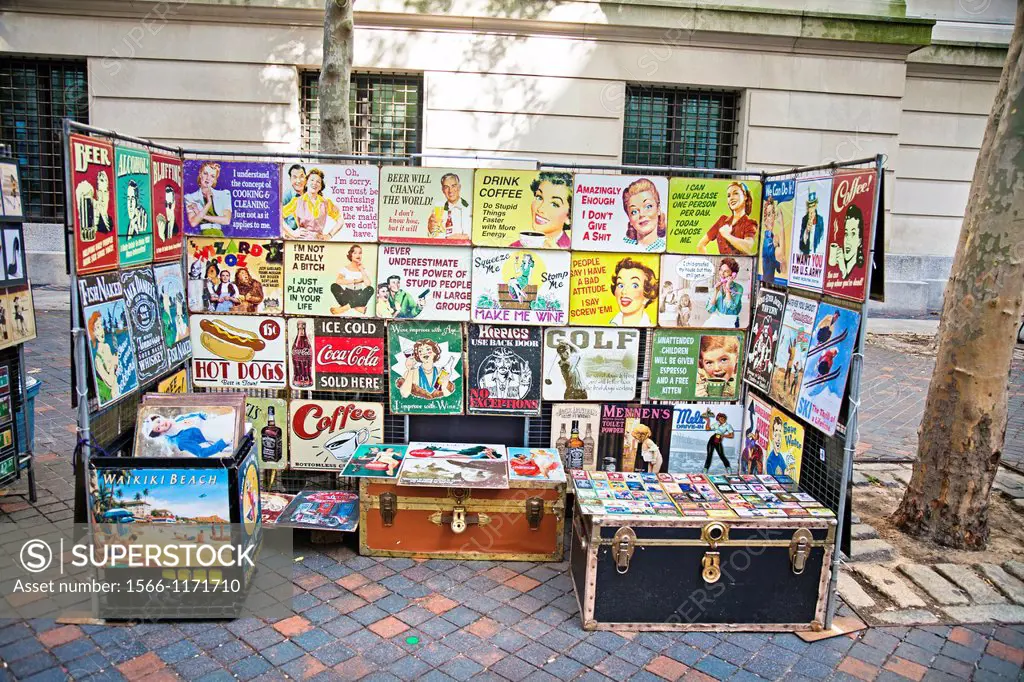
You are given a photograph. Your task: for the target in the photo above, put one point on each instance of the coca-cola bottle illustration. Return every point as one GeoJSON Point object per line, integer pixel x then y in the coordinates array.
{"type": "Point", "coordinates": [302, 358]}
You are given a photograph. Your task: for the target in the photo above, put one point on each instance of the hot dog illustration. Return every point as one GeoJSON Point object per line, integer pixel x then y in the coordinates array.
{"type": "Point", "coordinates": [228, 341]}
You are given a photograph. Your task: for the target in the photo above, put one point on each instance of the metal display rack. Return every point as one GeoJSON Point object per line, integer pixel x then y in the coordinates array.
{"type": "Point", "coordinates": [828, 479]}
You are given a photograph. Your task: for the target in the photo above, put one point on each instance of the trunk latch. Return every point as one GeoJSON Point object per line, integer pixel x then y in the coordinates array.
{"type": "Point", "coordinates": [712, 533]}
{"type": "Point", "coordinates": [388, 507]}
{"type": "Point", "coordinates": [623, 544]}
{"type": "Point", "coordinates": [534, 512]}
{"type": "Point", "coordinates": [800, 549]}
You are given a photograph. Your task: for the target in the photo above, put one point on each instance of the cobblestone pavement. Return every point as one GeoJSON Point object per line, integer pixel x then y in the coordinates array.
{"type": "Point", "coordinates": [356, 616]}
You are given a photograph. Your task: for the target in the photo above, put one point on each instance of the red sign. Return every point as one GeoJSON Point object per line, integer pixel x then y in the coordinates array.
{"type": "Point", "coordinates": [94, 213]}
{"type": "Point", "coordinates": [340, 355]}
{"type": "Point", "coordinates": [167, 207]}
{"type": "Point", "coordinates": [850, 234]}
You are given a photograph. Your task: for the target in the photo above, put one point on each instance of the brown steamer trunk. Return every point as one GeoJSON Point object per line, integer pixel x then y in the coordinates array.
{"type": "Point", "coordinates": [523, 523]}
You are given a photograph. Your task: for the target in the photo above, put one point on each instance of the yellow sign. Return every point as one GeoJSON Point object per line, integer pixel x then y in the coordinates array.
{"type": "Point", "coordinates": [717, 217]}
{"type": "Point", "coordinates": [613, 290]}
{"type": "Point", "coordinates": [175, 383]}
{"type": "Point", "coordinates": [517, 208]}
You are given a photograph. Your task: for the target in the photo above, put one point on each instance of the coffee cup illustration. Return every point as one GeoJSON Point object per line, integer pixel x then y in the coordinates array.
{"type": "Point", "coordinates": [716, 387]}
{"type": "Point", "coordinates": [531, 240]}
{"type": "Point", "coordinates": [344, 445]}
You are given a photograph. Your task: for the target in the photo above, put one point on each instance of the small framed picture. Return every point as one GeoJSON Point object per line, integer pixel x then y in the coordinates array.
{"type": "Point", "coordinates": [10, 191]}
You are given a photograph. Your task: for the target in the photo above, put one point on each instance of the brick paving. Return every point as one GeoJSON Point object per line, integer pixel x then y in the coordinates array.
{"type": "Point", "coordinates": [398, 619]}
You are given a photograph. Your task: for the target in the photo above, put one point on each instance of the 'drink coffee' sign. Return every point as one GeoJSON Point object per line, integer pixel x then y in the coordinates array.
{"type": "Point", "coordinates": [327, 354]}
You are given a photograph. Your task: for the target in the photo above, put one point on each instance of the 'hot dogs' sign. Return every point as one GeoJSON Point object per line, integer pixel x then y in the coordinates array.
{"type": "Point", "coordinates": [241, 351]}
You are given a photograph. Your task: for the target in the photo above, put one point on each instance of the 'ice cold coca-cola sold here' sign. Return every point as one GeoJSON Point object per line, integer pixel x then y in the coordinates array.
{"type": "Point", "coordinates": [329, 354]}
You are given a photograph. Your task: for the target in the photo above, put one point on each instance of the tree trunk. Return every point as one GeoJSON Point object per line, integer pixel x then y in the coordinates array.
{"type": "Point", "coordinates": [964, 425]}
{"type": "Point", "coordinates": [335, 126]}
{"type": "Point", "coordinates": [335, 75]}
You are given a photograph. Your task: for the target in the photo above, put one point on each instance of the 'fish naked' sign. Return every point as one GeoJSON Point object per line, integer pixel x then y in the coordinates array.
{"type": "Point", "coordinates": [336, 355]}
{"type": "Point", "coordinates": [140, 292]}
{"type": "Point", "coordinates": [520, 287]}
{"type": "Point", "coordinates": [111, 351]}
{"type": "Point", "coordinates": [504, 370]}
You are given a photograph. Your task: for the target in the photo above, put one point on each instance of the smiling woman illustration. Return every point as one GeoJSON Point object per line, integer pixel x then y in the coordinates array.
{"type": "Point", "coordinates": [735, 233]}
{"type": "Point", "coordinates": [635, 286]}
{"type": "Point", "coordinates": [550, 210]}
{"type": "Point", "coordinates": [642, 204]}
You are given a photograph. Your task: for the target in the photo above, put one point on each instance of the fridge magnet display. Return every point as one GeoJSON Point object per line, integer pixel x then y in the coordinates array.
{"type": "Point", "coordinates": [241, 351]}
{"type": "Point", "coordinates": [718, 217]}
{"type": "Point", "coordinates": [705, 291]}
{"type": "Point", "coordinates": [776, 224]}
{"type": "Point", "coordinates": [808, 242]}
{"type": "Point", "coordinates": [92, 177]}
{"type": "Point", "coordinates": [833, 338]}
{"type": "Point", "coordinates": [330, 279]}
{"type": "Point", "coordinates": [329, 202]}
{"type": "Point", "coordinates": [345, 356]}
{"type": "Point", "coordinates": [174, 321]}
{"type": "Point", "coordinates": [574, 431]}
{"type": "Point", "coordinates": [272, 504]}
{"type": "Point", "coordinates": [14, 272]}
{"type": "Point", "coordinates": [164, 505]}
{"type": "Point", "coordinates": [232, 199]}
{"type": "Point", "coordinates": [322, 510]}
{"type": "Point", "coordinates": [535, 464]}
{"type": "Point", "coordinates": [10, 190]}
{"type": "Point", "coordinates": [134, 220]}
{"type": "Point", "coordinates": [424, 283]}
{"type": "Point", "coordinates": [520, 287]}
{"type": "Point", "coordinates": [647, 436]}
{"type": "Point", "coordinates": [168, 205]}
{"type": "Point", "coordinates": [585, 363]}
{"type": "Point", "coordinates": [269, 417]}
{"type": "Point", "coordinates": [380, 461]}
{"type": "Point", "coordinates": [174, 383]}
{"type": "Point", "coordinates": [426, 205]}
{"type": "Point", "coordinates": [425, 375]}
{"type": "Point", "coordinates": [23, 314]}
{"type": "Point", "coordinates": [705, 437]}
{"type": "Point", "coordinates": [522, 209]}
{"type": "Point", "coordinates": [791, 355]}
{"type": "Point", "coordinates": [613, 290]}
{"type": "Point", "coordinates": [619, 213]}
{"type": "Point", "coordinates": [111, 351]}
{"type": "Point", "coordinates": [139, 287]}
{"type": "Point", "coordinates": [764, 338]}
{"type": "Point", "coordinates": [325, 433]}
{"type": "Point", "coordinates": [185, 431]}
{"type": "Point", "coordinates": [849, 238]}
{"type": "Point", "coordinates": [696, 365]}
{"type": "Point", "coordinates": [454, 465]}
{"type": "Point", "coordinates": [757, 435]}
{"type": "Point", "coordinates": [6, 412]}
{"type": "Point", "coordinates": [785, 446]}
{"type": "Point", "coordinates": [235, 275]}
{"type": "Point", "coordinates": [504, 370]}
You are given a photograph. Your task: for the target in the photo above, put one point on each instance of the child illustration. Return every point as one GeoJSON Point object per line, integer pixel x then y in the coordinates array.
{"type": "Point", "coordinates": [776, 463]}
{"type": "Point", "coordinates": [635, 286]}
{"type": "Point", "coordinates": [642, 204]}
{"type": "Point", "coordinates": [716, 370]}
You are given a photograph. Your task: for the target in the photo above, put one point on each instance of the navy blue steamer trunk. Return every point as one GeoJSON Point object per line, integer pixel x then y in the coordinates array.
{"type": "Point", "coordinates": [689, 574]}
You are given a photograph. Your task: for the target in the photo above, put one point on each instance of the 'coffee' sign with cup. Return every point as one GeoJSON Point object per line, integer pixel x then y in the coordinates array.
{"type": "Point", "coordinates": [324, 434]}
{"type": "Point", "coordinates": [328, 354]}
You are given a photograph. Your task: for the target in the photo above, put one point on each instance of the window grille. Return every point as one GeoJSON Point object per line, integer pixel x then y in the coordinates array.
{"type": "Point", "coordinates": [386, 109]}
{"type": "Point", "coordinates": [680, 127]}
{"type": "Point", "coordinates": [35, 95]}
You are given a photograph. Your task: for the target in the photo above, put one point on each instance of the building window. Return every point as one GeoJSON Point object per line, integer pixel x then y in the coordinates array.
{"type": "Point", "coordinates": [35, 95]}
{"type": "Point", "coordinates": [680, 127]}
{"type": "Point", "coordinates": [386, 109]}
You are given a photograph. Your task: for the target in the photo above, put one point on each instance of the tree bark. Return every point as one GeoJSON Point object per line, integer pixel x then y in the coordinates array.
{"type": "Point", "coordinates": [335, 76]}
{"type": "Point", "coordinates": [964, 425]}
{"type": "Point", "coordinates": [335, 123]}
